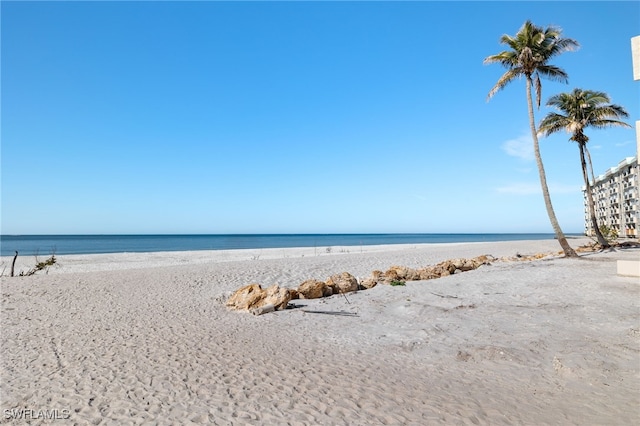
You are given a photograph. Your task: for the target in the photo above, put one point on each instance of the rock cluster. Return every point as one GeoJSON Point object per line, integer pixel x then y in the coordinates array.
{"type": "Point", "coordinates": [442, 269]}
{"type": "Point", "coordinates": [528, 257]}
{"type": "Point", "coordinates": [255, 299]}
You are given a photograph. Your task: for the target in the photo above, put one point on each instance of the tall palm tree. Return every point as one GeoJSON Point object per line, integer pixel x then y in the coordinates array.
{"type": "Point", "coordinates": [578, 110]}
{"type": "Point", "coordinates": [529, 53]}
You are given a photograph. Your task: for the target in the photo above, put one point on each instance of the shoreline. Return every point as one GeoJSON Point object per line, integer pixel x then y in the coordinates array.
{"type": "Point", "coordinates": [119, 339]}
{"type": "Point", "coordinates": [147, 243]}
{"type": "Point", "coordinates": [68, 263]}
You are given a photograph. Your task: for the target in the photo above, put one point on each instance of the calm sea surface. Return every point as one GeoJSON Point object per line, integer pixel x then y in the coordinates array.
{"type": "Point", "coordinates": [88, 244]}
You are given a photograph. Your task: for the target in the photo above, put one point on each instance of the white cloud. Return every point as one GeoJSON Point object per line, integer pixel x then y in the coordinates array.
{"type": "Point", "coordinates": [625, 143]}
{"type": "Point", "coordinates": [520, 147]}
{"type": "Point", "coordinates": [528, 188]}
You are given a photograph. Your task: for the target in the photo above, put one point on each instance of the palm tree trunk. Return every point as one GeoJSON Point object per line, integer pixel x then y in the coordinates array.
{"type": "Point", "coordinates": [593, 178]}
{"type": "Point", "coordinates": [592, 211]}
{"type": "Point", "coordinates": [568, 251]}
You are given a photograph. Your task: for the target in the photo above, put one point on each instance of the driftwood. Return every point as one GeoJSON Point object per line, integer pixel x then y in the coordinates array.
{"type": "Point", "coordinates": [340, 313]}
{"type": "Point", "coordinates": [41, 265]}
{"type": "Point", "coordinates": [13, 264]}
{"type": "Point", "coordinates": [445, 296]}
{"type": "Point", "coordinates": [263, 309]}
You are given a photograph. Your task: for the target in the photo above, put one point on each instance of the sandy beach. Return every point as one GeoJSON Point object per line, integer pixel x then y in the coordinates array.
{"type": "Point", "coordinates": [146, 338]}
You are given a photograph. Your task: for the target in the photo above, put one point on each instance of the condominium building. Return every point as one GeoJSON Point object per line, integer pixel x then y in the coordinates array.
{"type": "Point", "coordinates": [616, 199]}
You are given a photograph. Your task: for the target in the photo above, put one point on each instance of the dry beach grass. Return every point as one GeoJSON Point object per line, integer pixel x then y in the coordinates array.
{"type": "Point", "coordinates": [146, 338]}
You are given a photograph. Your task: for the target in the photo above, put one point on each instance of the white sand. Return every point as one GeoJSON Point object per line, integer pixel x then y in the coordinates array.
{"type": "Point", "coordinates": [146, 338]}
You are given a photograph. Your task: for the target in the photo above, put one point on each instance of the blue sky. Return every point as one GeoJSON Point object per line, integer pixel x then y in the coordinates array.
{"type": "Point", "coordinates": [293, 117]}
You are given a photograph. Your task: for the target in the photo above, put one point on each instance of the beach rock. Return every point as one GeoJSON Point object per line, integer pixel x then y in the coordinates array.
{"type": "Point", "coordinates": [327, 291]}
{"type": "Point", "coordinates": [368, 283]}
{"type": "Point", "coordinates": [401, 273]}
{"type": "Point", "coordinates": [390, 275]}
{"type": "Point", "coordinates": [443, 272]}
{"type": "Point", "coordinates": [485, 259]}
{"type": "Point", "coordinates": [246, 297]}
{"type": "Point", "coordinates": [428, 273]}
{"type": "Point", "coordinates": [343, 283]}
{"type": "Point", "coordinates": [453, 266]}
{"type": "Point", "coordinates": [449, 266]}
{"type": "Point", "coordinates": [474, 263]}
{"type": "Point", "coordinates": [527, 257]}
{"type": "Point", "coordinates": [461, 264]}
{"type": "Point", "coordinates": [313, 289]}
{"type": "Point", "coordinates": [442, 269]}
{"type": "Point", "coordinates": [253, 296]}
{"type": "Point", "coordinates": [277, 296]}
{"type": "Point", "coordinates": [294, 293]}
{"type": "Point", "coordinates": [377, 277]}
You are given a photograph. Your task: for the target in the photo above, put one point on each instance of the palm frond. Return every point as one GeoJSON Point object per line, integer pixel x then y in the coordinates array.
{"type": "Point", "coordinates": [506, 58]}
{"type": "Point", "coordinates": [579, 110]}
{"type": "Point", "coordinates": [603, 124]}
{"type": "Point", "coordinates": [506, 78]}
{"type": "Point", "coordinates": [562, 45]}
{"type": "Point", "coordinates": [552, 123]}
{"type": "Point", "coordinates": [592, 96]}
{"type": "Point", "coordinates": [553, 73]}
{"type": "Point", "coordinates": [538, 87]}
{"type": "Point", "coordinates": [530, 50]}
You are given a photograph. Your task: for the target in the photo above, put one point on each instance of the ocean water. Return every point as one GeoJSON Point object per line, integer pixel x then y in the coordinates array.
{"type": "Point", "coordinates": [44, 245]}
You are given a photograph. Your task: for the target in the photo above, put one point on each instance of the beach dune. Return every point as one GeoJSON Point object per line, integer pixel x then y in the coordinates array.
{"type": "Point", "coordinates": [146, 338]}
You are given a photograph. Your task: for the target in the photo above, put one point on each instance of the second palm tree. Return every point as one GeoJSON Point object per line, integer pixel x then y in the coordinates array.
{"type": "Point", "coordinates": [578, 110]}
